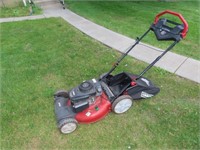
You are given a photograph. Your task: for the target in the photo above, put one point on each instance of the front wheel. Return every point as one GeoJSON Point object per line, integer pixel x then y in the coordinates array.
{"type": "Point", "coordinates": [68, 125]}
{"type": "Point", "coordinates": [122, 104]}
{"type": "Point", "coordinates": [62, 93]}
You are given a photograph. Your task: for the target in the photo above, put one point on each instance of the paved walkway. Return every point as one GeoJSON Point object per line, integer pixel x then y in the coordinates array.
{"type": "Point", "coordinates": [174, 63]}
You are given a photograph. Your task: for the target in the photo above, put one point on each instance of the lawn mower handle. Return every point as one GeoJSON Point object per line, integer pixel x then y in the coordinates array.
{"type": "Point", "coordinates": [183, 35]}
{"type": "Point", "coordinates": [184, 32]}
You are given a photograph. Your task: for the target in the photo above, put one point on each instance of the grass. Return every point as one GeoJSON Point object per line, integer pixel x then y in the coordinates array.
{"type": "Point", "coordinates": [19, 11]}
{"type": "Point", "coordinates": [38, 57]}
{"type": "Point", "coordinates": [133, 18]}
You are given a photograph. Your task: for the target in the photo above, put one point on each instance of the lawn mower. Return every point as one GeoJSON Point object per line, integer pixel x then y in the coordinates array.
{"type": "Point", "coordinates": [93, 99]}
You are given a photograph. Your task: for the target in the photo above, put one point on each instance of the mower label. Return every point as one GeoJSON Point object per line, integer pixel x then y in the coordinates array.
{"type": "Point", "coordinates": [88, 114]}
{"type": "Point", "coordinates": [146, 95]}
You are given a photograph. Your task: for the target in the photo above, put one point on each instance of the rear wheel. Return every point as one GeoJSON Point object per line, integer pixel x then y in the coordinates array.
{"type": "Point", "coordinates": [68, 125]}
{"type": "Point", "coordinates": [122, 104]}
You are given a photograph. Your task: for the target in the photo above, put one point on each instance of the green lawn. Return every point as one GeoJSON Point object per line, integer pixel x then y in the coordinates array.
{"type": "Point", "coordinates": [19, 11]}
{"type": "Point", "coordinates": [134, 18]}
{"type": "Point", "coordinates": [38, 57]}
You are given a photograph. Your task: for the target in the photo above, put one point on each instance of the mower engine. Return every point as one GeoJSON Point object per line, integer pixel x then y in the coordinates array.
{"type": "Point", "coordinates": [84, 95]}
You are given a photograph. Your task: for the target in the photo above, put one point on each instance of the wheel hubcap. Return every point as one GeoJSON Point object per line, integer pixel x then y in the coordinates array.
{"type": "Point", "coordinates": [68, 128]}
{"type": "Point", "coordinates": [123, 106]}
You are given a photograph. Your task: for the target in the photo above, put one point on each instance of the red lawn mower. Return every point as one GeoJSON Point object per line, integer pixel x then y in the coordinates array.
{"type": "Point", "coordinates": [92, 100]}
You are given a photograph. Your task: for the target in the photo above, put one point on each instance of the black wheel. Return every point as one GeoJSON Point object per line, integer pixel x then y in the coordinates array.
{"type": "Point", "coordinates": [68, 125]}
{"type": "Point", "coordinates": [122, 104]}
{"type": "Point", "coordinates": [62, 93]}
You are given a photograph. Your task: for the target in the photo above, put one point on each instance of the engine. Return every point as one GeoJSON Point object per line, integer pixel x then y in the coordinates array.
{"type": "Point", "coordinates": [85, 94]}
